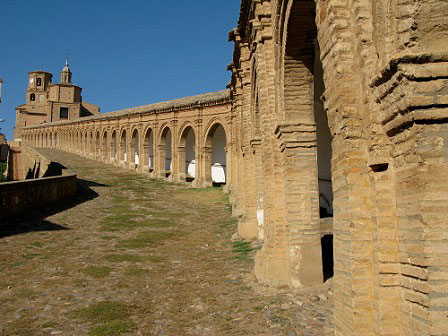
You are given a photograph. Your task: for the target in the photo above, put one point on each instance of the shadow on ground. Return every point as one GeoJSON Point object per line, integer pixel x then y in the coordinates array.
{"type": "Point", "coordinates": [35, 220]}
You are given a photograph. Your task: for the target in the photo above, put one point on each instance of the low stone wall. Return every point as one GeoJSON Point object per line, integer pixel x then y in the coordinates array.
{"type": "Point", "coordinates": [19, 196]}
{"type": "Point", "coordinates": [34, 164]}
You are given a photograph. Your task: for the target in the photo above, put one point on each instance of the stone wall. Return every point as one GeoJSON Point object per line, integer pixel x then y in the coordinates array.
{"type": "Point", "coordinates": [20, 196]}
{"type": "Point", "coordinates": [27, 163]}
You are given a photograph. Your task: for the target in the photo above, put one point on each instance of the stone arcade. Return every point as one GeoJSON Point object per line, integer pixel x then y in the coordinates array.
{"type": "Point", "coordinates": [336, 108]}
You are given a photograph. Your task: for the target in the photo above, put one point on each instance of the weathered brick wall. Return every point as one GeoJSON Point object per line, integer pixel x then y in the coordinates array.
{"type": "Point", "coordinates": [385, 76]}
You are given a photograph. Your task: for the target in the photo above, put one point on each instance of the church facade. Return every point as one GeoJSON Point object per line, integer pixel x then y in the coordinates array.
{"type": "Point", "coordinates": [336, 136]}
{"type": "Point", "coordinates": [47, 102]}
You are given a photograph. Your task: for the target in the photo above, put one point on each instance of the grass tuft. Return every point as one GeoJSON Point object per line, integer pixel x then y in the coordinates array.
{"type": "Point", "coordinates": [146, 239]}
{"type": "Point", "coordinates": [123, 258]}
{"type": "Point", "coordinates": [111, 318]}
{"type": "Point", "coordinates": [156, 259]}
{"type": "Point", "coordinates": [103, 312]}
{"type": "Point", "coordinates": [97, 271]}
{"type": "Point", "coordinates": [30, 255]}
{"type": "Point", "coordinates": [242, 250]}
{"type": "Point", "coordinates": [113, 328]}
{"type": "Point", "coordinates": [135, 271]}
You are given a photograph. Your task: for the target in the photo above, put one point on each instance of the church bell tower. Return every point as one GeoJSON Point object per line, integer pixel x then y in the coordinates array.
{"type": "Point", "coordinates": [66, 74]}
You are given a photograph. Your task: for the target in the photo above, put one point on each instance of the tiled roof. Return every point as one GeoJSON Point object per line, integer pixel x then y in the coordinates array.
{"type": "Point", "coordinates": [210, 98]}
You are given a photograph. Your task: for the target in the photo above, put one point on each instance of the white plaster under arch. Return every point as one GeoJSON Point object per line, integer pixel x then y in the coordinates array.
{"type": "Point", "coordinates": [219, 159]}
{"type": "Point", "coordinates": [136, 148]}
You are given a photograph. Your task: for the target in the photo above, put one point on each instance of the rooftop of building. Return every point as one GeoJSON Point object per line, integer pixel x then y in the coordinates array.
{"type": "Point", "coordinates": [204, 99]}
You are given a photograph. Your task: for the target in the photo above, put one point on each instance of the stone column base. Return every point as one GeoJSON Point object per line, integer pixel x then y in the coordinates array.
{"type": "Point", "coordinates": [247, 229]}
{"type": "Point", "coordinates": [300, 267]}
{"type": "Point", "coordinates": [271, 267]}
{"type": "Point", "coordinates": [305, 264]}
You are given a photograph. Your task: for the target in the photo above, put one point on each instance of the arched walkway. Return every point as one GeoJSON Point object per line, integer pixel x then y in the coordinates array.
{"type": "Point", "coordinates": [216, 155]}
{"type": "Point", "coordinates": [135, 149]}
{"type": "Point", "coordinates": [105, 147]}
{"type": "Point", "coordinates": [123, 148]}
{"type": "Point", "coordinates": [148, 151]}
{"type": "Point", "coordinates": [187, 155]}
{"type": "Point", "coordinates": [114, 149]}
{"type": "Point", "coordinates": [97, 146]}
{"type": "Point", "coordinates": [165, 158]}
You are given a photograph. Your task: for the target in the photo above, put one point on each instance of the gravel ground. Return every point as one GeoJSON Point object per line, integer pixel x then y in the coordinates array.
{"type": "Point", "coordinates": [136, 256]}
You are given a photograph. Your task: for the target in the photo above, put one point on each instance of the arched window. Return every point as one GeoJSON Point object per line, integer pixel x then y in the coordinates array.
{"type": "Point", "coordinates": [32, 97]}
{"type": "Point", "coordinates": [39, 82]}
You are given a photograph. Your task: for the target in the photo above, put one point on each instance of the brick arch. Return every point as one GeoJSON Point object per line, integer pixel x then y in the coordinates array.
{"type": "Point", "coordinates": [295, 145]}
{"type": "Point", "coordinates": [114, 143]}
{"type": "Point", "coordinates": [135, 127]}
{"type": "Point", "coordinates": [121, 130]}
{"type": "Point", "coordinates": [163, 128]}
{"type": "Point", "coordinates": [123, 140]}
{"type": "Point", "coordinates": [148, 149]}
{"type": "Point", "coordinates": [85, 141]}
{"type": "Point", "coordinates": [148, 128]}
{"type": "Point", "coordinates": [97, 143]}
{"type": "Point", "coordinates": [105, 145]}
{"type": "Point", "coordinates": [135, 145]}
{"type": "Point", "coordinates": [88, 141]}
{"type": "Point", "coordinates": [297, 61]}
{"type": "Point", "coordinates": [215, 161]}
{"type": "Point", "coordinates": [165, 153]}
{"type": "Point", "coordinates": [183, 127]}
{"type": "Point", "coordinates": [211, 127]}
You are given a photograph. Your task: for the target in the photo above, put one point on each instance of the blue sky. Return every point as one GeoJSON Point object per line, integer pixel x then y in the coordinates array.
{"type": "Point", "coordinates": [122, 53]}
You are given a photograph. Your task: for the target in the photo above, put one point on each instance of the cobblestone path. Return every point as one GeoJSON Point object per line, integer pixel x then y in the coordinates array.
{"type": "Point", "coordinates": [135, 256]}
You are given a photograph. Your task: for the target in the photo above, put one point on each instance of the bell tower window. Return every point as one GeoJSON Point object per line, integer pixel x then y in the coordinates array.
{"type": "Point", "coordinates": [32, 97]}
{"type": "Point", "coordinates": [39, 82]}
{"type": "Point", "coordinates": [63, 113]}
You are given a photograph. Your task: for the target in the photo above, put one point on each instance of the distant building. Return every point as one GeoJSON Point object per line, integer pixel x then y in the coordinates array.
{"type": "Point", "coordinates": [47, 102]}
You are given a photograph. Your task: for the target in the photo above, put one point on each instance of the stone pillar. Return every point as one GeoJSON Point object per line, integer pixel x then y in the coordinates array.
{"type": "Point", "coordinates": [199, 151]}
{"type": "Point", "coordinates": [160, 171]}
{"type": "Point", "coordinates": [206, 164]}
{"type": "Point", "coordinates": [247, 226]}
{"type": "Point", "coordinates": [181, 175]}
{"type": "Point", "coordinates": [128, 161]}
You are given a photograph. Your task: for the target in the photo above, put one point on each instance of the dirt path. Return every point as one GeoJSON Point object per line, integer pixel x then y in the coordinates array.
{"type": "Point", "coordinates": [134, 256]}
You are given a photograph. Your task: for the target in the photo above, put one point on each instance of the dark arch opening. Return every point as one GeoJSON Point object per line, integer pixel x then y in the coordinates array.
{"type": "Point", "coordinates": [123, 148]}
{"type": "Point", "coordinates": [135, 149]}
{"type": "Point", "coordinates": [105, 146]}
{"type": "Point", "coordinates": [114, 152]}
{"type": "Point", "coordinates": [97, 145]}
{"type": "Point", "coordinates": [187, 154]}
{"type": "Point", "coordinates": [148, 151]}
{"type": "Point", "coordinates": [165, 151]}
